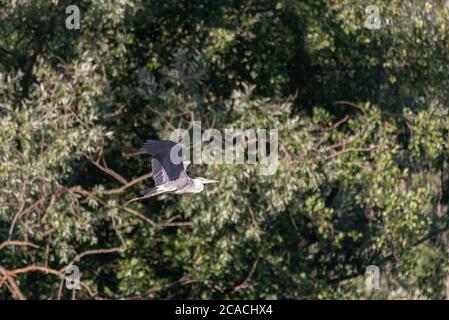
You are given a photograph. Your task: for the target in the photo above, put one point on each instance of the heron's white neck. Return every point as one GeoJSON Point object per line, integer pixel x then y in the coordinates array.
{"type": "Point", "coordinates": [197, 185]}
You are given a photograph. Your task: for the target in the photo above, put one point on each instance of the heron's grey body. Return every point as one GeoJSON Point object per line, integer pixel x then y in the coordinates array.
{"type": "Point", "coordinates": [169, 171]}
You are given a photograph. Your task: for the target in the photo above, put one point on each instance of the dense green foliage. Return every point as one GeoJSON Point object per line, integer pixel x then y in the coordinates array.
{"type": "Point", "coordinates": [363, 148]}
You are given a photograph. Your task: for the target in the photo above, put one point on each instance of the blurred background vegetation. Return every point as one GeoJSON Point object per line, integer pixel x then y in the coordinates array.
{"type": "Point", "coordinates": [363, 147]}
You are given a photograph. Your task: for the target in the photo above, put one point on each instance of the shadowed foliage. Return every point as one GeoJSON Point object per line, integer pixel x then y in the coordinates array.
{"type": "Point", "coordinates": [363, 123]}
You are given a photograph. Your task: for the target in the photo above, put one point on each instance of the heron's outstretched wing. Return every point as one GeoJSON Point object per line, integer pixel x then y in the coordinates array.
{"type": "Point", "coordinates": [164, 169]}
{"type": "Point", "coordinates": [159, 174]}
{"type": "Point", "coordinates": [158, 148]}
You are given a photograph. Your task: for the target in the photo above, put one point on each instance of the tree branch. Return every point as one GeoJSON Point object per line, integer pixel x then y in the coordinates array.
{"type": "Point", "coordinates": [12, 243]}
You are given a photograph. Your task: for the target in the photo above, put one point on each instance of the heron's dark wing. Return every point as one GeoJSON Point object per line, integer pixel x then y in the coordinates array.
{"type": "Point", "coordinates": [158, 148]}
{"type": "Point", "coordinates": [164, 169]}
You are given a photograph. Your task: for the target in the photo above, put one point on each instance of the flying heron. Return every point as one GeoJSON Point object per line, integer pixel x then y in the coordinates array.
{"type": "Point", "coordinates": [169, 171]}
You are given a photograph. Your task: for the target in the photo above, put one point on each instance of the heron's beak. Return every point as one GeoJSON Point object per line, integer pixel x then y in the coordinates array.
{"type": "Point", "coordinates": [209, 181]}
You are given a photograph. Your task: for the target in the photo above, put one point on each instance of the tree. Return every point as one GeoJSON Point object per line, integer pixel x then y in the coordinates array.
{"type": "Point", "coordinates": [363, 154]}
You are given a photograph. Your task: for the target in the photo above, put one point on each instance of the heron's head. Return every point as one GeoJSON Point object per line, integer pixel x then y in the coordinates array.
{"type": "Point", "coordinates": [204, 180]}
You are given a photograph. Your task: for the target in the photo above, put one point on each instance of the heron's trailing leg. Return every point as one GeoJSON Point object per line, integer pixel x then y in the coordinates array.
{"type": "Point", "coordinates": [151, 192]}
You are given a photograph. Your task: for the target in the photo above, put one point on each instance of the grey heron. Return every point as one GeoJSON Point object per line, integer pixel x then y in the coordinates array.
{"type": "Point", "coordinates": [169, 170]}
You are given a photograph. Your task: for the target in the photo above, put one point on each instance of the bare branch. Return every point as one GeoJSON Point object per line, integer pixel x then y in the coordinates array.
{"type": "Point", "coordinates": [12, 243]}
{"type": "Point", "coordinates": [80, 190]}
{"type": "Point", "coordinates": [110, 172]}
{"type": "Point", "coordinates": [14, 288]}
{"type": "Point", "coordinates": [245, 282]}
{"type": "Point", "coordinates": [91, 252]}
{"type": "Point", "coordinates": [141, 216]}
